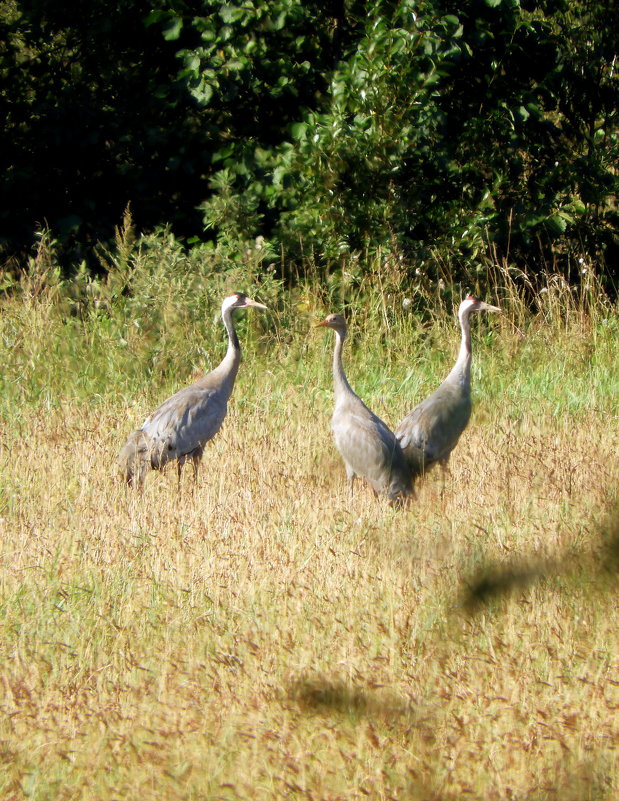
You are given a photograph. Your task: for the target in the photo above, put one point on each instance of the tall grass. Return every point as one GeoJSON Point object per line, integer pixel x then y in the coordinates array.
{"type": "Point", "coordinates": [262, 636]}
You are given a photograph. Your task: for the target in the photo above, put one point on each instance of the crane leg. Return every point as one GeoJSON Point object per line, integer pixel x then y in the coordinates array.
{"type": "Point", "coordinates": [350, 475]}
{"type": "Point", "coordinates": [195, 456]}
{"type": "Point", "coordinates": [195, 463]}
{"type": "Point", "coordinates": [445, 471]}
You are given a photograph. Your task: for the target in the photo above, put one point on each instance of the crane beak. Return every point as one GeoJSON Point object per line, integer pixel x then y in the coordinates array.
{"type": "Point", "coordinates": [488, 307]}
{"type": "Point", "coordinates": [321, 324]}
{"type": "Point", "coordinates": [250, 302]}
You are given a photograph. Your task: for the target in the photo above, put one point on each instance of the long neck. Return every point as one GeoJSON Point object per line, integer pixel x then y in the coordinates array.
{"type": "Point", "coordinates": [229, 365]}
{"type": "Point", "coordinates": [340, 382]}
{"type": "Point", "coordinates": [461, 370]}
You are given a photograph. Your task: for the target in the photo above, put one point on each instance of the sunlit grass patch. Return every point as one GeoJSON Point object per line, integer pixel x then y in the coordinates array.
{"type": "Point", "coordinates": [262, 635]}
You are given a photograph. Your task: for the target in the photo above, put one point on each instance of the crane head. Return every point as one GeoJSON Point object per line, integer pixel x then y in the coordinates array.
{"type": "Point", "coordinates": [472, 304]}
{"type": "Point", "coordinates": [238, 300]}
{"type": "Point", "coordinates": [335, 321]}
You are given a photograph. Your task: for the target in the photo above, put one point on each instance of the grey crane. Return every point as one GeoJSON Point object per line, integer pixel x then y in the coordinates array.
{"type": "Point", "coordinates": [183, 424]}
{"type": "Point", "coordinates": [367, 446]}
{"type": "Point", "coordinates": [430, 432]}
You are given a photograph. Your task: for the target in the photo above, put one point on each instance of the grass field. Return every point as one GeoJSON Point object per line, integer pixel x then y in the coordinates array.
{"type": "Point", "coordinates": [264, 637]}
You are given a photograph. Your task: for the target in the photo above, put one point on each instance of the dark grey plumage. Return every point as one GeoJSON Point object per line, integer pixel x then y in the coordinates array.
{"type": "Point", "coordinates": [183, 424]}
{"type": "Point", "coordinates": [367, 445]}
{"type": "Point", "coordinates": [430, 432]}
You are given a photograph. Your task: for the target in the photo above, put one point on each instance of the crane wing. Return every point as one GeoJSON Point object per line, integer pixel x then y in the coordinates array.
{"type": "Point", "coordinates": [435, 425]}
{"type": "Point", "coordinates": [185, 422]}
{"type": "Point", "coordinates": [369, 447]}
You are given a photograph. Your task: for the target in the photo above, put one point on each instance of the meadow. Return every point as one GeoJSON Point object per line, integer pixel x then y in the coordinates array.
{"type": "Point", "coordinates": [264, 635]}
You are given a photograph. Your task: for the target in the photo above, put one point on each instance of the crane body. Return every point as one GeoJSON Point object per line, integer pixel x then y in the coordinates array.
{"type": "Point", "coordinates": [180, 428]}
{"type": "Point", "coordinates": [430, 432]}
{"type": "Point", "coordinates": [368, 447]}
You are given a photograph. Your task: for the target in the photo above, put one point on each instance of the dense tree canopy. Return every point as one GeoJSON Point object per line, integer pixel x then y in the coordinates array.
{"type": "Point", "coordinates": [94, 116]}
{"type": "Point", "coordinates": [410, 126]}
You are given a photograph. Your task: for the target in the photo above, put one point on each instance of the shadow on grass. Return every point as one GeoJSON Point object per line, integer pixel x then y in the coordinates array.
{"type": "Point", "coordinates": [570, 778]}
{"type": "Point", "coordinates": [577, 781]}
{"type": "Point", "coordinates": [319, 695]}
{"type": "Point", "coordinates": [598, 567]}
{"type": "Point", "coordinates": [573, 779]}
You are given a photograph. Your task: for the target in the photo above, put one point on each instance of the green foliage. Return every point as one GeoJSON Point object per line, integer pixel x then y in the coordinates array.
{"type": "Point", "coordinates": [150, 320]}
{"type": "Point", "coordinates": [257, 65]}
{"type": "Point", "coordinates": [341, 178]}
{"type": "Point", "coordinates": [242, 69]}
{"type": "Point", "coordinates": [439, 133]}
{"type": "Point", "coordinates": [530, 133]}
{"type": "Point", "coordinates": [409, 128]}
{"type": "Point", "coordinates": [94, 117]}
{"type": "Point", "coordinates": [154, 315]}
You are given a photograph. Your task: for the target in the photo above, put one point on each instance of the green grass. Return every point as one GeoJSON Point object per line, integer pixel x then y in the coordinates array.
{"type": "Point", "coordinates": [263, 637]}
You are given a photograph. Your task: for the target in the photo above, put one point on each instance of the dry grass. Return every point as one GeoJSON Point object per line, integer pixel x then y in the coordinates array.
{"type": "Point", "coordinates": [264, 638]}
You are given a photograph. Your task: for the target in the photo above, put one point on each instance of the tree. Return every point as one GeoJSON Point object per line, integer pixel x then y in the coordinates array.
{"type": "Point", "coordinates": [386, 123]}
{"type": "Point", "coordinates": [94, 117]}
